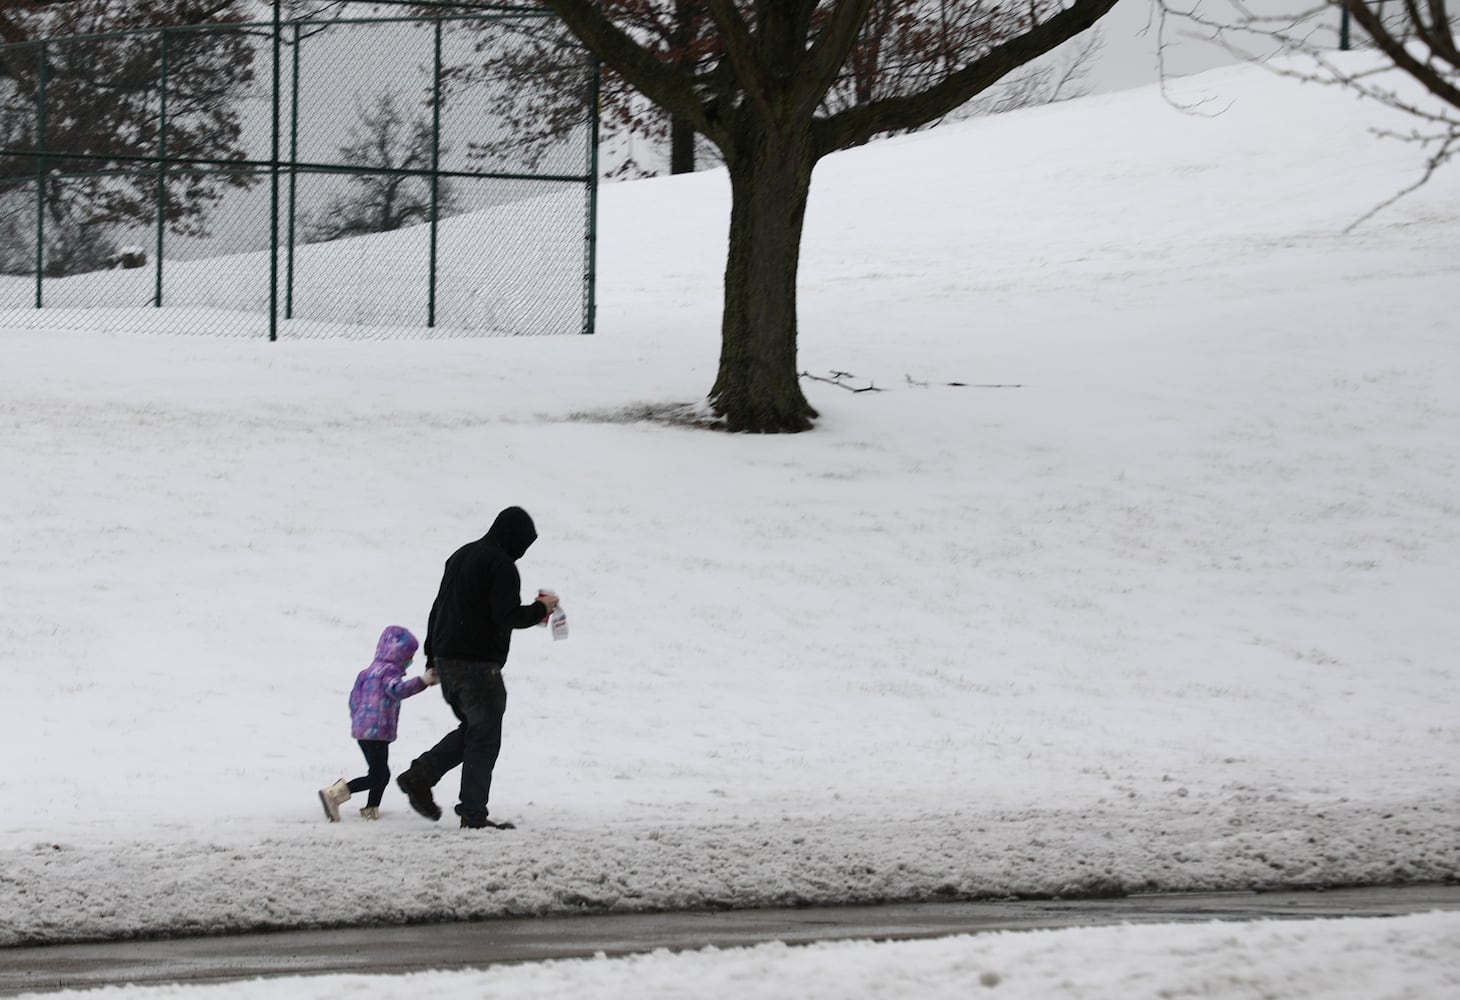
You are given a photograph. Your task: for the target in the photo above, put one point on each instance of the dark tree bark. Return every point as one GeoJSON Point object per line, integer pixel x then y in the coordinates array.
{"type": "Point", "coordinates": [681, 147]}
{"type": "Point", "coordinates": [758, 387]}
{"type": "Point", "coordinates": [761, 104]}
{"type": "Point", "coordinates": [681, 132]}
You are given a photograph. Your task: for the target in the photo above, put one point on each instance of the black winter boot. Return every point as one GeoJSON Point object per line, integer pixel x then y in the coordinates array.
{"type": "Point", "coordinates": [418, 793]}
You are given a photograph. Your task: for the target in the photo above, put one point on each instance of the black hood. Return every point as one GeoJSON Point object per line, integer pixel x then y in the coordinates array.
{"type": "Point", "coordinates": [513, 532]}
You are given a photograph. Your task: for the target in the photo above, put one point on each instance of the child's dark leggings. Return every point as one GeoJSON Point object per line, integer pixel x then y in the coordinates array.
{"type": "Point", "coordinates": [377, 758]}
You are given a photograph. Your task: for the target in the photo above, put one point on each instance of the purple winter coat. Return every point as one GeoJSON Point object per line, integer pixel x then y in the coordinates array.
{"type": "Point", "coordinates": [379, 688]}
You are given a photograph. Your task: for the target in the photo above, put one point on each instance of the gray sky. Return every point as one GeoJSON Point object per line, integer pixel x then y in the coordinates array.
{"type": "Point", "coordinates": [1128, 55]}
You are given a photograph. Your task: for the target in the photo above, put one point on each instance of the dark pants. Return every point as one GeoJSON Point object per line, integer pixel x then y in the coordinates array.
{"type": "Point", "coordinates": [377, 758]}
{"type": "Point", "coordinates": [477, 696]}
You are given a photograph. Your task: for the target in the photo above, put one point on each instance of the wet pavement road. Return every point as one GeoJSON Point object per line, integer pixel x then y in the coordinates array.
{"type": "Point", "coordinates": [475, 945]}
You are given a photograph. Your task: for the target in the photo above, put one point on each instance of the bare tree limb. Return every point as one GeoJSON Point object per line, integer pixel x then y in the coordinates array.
{"type": "Point", "coordinates": [860, 123]}
{"type": "Point", "coordinates": [1417, 40]}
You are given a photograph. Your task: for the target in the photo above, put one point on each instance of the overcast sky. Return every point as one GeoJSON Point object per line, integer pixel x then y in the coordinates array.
{"type": "Point", "coordinates": [1128, 54]}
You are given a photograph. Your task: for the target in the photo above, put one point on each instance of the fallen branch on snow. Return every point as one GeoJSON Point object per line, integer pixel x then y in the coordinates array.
{"type": "Point", "coordinates": [966, 385]}
{"type": "Point", "coordinates": [836, 380]}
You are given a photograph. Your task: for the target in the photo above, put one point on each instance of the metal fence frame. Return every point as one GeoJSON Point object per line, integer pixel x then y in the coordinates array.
{"type": "Point", "coordinates": [278, 167]}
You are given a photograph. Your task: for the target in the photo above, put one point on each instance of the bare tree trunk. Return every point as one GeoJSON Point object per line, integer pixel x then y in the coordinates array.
{"type": "Point", "coordinates": [757, 97]}
{"type": "Point", "coordinates": [758, 388]}
{"type": "Point", "coordinates": [681, 147]}
{"type": "Point", "coordinates": [681, 132]}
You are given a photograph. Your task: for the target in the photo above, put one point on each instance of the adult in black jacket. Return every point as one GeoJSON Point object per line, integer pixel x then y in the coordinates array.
{"type": "Point", "coordinates": [467, 640]}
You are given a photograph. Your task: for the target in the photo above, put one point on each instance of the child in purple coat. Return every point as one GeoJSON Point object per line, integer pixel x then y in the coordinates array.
{"type": "Point", "coordinates": [374, 714]}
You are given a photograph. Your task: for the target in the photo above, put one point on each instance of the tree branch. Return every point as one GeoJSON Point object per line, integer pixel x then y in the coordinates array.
{"type": "Point", "coordinates": [860, 123]}
{"type": "Point", "coordinates": [671, 89]}
{"type": "Point", "coordinates": [739, 51]}
{"type": "Point", "coordinates": [1427, 75]}
{"type": "Point", "coordinates": [829, 52]}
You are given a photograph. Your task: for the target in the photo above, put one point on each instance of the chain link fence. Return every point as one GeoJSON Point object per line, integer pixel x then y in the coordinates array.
{"type": "Point", "coordinates": [301, 178]}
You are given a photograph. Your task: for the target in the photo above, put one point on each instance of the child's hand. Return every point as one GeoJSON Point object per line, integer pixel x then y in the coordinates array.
{"type": "Point", "coordinates": [430, 677]}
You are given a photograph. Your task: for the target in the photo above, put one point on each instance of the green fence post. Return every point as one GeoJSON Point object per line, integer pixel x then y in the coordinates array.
{"type": "Point", "coordinates": [590, 306]}
{"type": "Point", "coordinates": [274, 194]}
{"type": "Point", "coordinates": [435, 174]}
{"type": "Point", "coordinates": [40, 172]}
{"type": "Point", "coordinates": [293, 172]}
{"type": "Point", "coordinates": [161, 171]}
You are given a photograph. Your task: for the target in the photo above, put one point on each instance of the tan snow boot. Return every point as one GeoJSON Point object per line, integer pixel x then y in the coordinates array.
{"type": "Point", "coordinates": [332, 797]}
{"type": "Point", "coordinates": [370, 812]}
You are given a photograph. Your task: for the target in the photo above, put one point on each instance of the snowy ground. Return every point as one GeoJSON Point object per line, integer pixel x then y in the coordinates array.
{"type": "Point", "coordinates": [1360, 959]}
{"type": "Point", "coordinates": [1176, 612]}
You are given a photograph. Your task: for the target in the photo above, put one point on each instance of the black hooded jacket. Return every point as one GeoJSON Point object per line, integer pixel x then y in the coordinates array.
{"type": "Point", "coordinates": [479, 603]}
